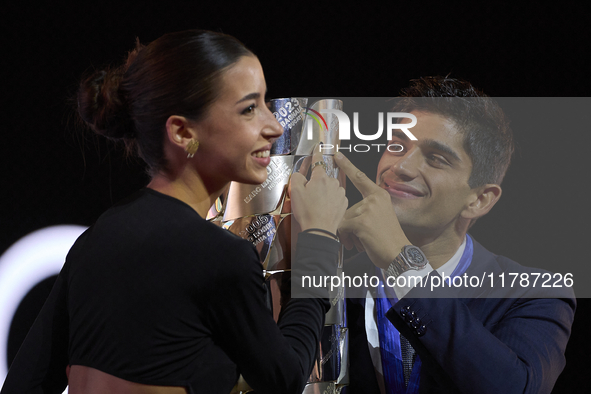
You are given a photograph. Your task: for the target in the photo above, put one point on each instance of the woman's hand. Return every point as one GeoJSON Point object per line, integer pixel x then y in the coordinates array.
{"type": "Point", "coordinates": [319, 202]}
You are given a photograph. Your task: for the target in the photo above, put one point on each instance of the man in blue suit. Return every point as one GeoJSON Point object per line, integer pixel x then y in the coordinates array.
{"type": "Point", "coordinates": [456, 329]}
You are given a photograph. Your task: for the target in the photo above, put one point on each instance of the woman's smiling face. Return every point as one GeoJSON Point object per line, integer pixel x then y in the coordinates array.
{"type": "Point", "coordinates": [238, 130]}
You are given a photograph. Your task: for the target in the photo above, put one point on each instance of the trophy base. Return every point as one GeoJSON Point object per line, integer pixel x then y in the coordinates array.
{"type": "Point", "coordinates": [324, 388]}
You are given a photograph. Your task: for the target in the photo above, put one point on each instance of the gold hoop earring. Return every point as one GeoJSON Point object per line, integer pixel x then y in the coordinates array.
{"type": "Point", "coordinates": [191, 148]}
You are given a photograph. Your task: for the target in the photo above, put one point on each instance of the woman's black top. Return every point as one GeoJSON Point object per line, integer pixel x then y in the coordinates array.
{"type": "Point", "coordinates": [154, 294]}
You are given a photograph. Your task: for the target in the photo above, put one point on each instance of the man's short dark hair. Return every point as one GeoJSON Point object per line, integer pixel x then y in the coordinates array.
{"type": "Point", "coordinates": [488, 139]}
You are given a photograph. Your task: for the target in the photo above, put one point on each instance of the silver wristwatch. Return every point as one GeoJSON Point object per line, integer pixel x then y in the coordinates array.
{"type": "Point", "coordinates": [410, 258]}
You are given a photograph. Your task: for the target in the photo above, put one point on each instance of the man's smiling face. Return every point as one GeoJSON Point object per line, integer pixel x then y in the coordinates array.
{"type": "Point", "coordinates": [428, 179]}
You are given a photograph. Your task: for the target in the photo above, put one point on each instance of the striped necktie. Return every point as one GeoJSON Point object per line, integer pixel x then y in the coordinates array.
{"type": "Point", "coordinates": [408, 357]}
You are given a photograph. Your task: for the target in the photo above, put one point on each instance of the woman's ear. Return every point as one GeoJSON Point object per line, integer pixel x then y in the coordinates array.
{"type": "Point", "coordinates": [180, 131]}
{"type": "Point", "coordinates": [485, 197]}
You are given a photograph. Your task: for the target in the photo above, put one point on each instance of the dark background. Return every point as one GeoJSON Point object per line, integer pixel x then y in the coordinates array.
{"type": "Point", "coordinates": [54, 173]}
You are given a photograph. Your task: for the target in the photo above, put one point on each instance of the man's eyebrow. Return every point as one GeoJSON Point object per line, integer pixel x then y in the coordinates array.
{"type": "Point", "coordinates": [249, 97]}
{"type": "Point", "coordinates": [429, 143]}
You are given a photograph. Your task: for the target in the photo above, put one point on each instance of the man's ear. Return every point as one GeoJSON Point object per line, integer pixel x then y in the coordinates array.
{"type": "Point", "coordinates": [180, 131]}
{"type": "Point", "coordinates": [484, 198]}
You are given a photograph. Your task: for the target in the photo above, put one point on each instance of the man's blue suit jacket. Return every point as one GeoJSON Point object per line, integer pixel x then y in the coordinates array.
{"type": "Point", "coordinates": [480, 343]}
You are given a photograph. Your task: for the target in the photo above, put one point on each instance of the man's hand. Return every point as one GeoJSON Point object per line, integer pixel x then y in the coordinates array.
{"type": "Point", "coordinates": [371, 224]}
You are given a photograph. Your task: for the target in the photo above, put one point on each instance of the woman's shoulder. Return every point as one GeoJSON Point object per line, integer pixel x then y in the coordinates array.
{"type": "Point", "coordinates": [157, 231]}
{"type": "Point", "coordinates": [154, 219]}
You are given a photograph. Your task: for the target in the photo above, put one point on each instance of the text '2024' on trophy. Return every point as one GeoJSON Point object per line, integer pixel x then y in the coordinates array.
{"type": "Point", "coordinates": [259, 213]}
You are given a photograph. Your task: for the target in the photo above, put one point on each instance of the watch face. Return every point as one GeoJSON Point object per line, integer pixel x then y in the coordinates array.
{"type": "Point", "coordinates": [415, 256]}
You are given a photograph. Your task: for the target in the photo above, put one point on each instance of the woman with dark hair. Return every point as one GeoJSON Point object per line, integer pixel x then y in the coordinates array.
{"type": "Point", "coordinates": [153, 298]}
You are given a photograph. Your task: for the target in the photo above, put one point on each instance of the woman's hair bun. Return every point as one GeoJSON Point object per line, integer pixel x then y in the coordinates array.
{"type": "Point", "coordinates": [179, 73]}
{"type": "Point", "coordinates": [101, 105]}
